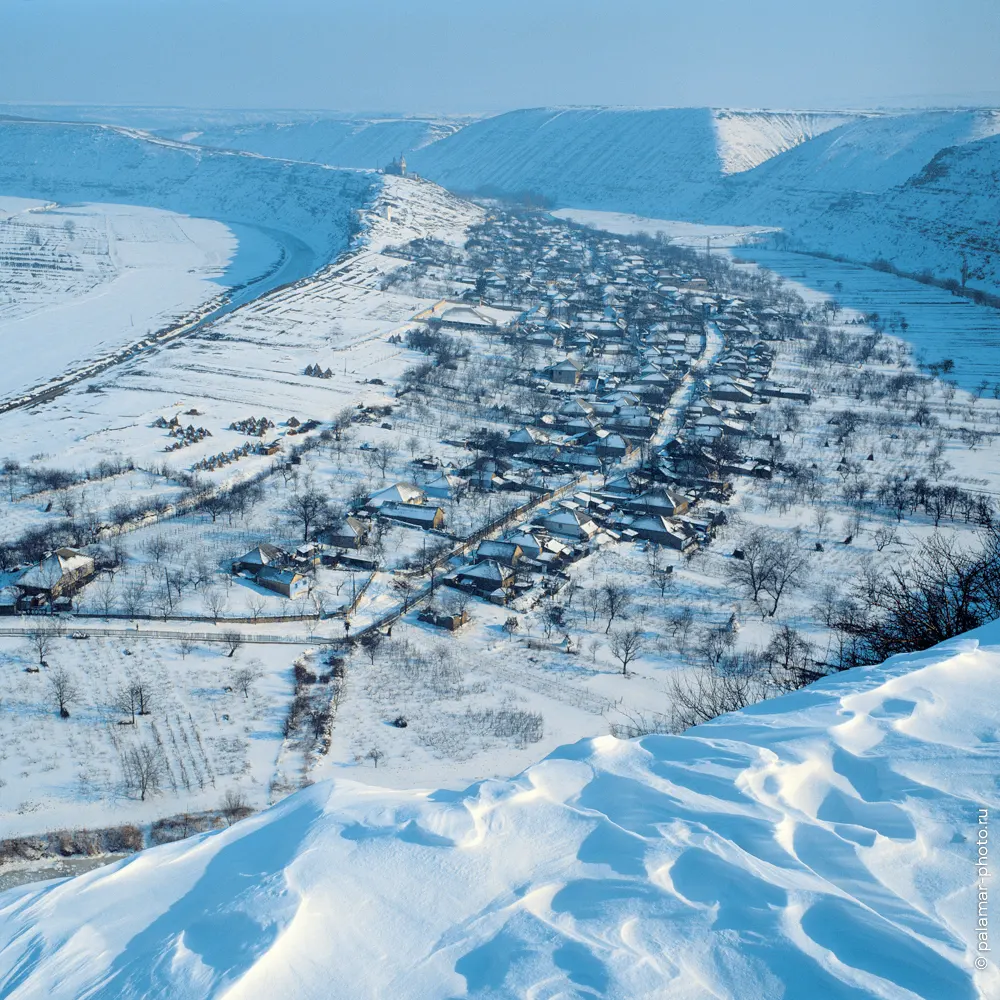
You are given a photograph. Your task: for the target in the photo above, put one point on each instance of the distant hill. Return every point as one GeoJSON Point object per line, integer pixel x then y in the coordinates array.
{"type": "Point", "coordinates": [343, 142]}
{"type": "Point", "coordinates": [640, 161]}
{"type": "Point", "coordinates": [918, 190]}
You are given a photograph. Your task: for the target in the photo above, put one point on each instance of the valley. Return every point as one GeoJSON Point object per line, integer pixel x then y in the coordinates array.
{"type": "Point", "coordinates": [552, 552]}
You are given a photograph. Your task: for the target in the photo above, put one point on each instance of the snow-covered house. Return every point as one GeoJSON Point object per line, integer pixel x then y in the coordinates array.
{"type": "Point", "coordinates": [286, 582]}
{"type": "Point", "coordinates": [661, 502]}
{"type": "Point", "coordinates": [485, 578]}
{"type": "Point", "coordinates": [569, 523]}
{"type": "Point", "coordinates": [348, 534]}
{"type": "Point", "coordinates": [565, 372]}
{"type": "Point", "coordinates": [524, 438]}
{"type": "Point", "coordinates": [658, 529]}
{"type": "Point", "coordinates": [256, 559]}
{"type": "Point", "coordinates": [445, 487]}
{"type": "Point", "coordinates": [57, 574]}
{"type": "Point", "coordinates": [418, 515]}
{"type": "Point", "coordinates": [466, 317]}
{"type": "Point", "coordinates": [507, 553]}
{"type": "Point", "coordinates": [405, 493]}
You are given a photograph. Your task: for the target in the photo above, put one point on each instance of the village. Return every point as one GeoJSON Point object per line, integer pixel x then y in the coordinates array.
{"type": "Point", "coordinates": [537, 521]}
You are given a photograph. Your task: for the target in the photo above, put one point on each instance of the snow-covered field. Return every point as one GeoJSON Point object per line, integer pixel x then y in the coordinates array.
{"type": "Point", "coordinates": [689, 234]}
{"type": "Point", "coordinates": [939, 324]}
{"type": "Point", "coordinates": [214, 736]}
{"type": "Point", "coordinates": [819, 845]}
{"type": "Point", "coordinates": [84, 280]}
{"type": "Point", "coordinates": [762, 849]}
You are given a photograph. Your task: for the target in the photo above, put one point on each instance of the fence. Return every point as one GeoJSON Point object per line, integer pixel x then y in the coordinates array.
{"type": "Point", "coordinates": [251, 637]}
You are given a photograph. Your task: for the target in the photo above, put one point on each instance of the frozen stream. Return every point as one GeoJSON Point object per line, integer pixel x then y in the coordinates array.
{"type": "Point", "coordinates": [44, 869]}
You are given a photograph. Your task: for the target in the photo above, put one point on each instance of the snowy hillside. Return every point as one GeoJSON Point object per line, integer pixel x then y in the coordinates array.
{"type": "Point", "coordinates": [917, 190]}
{"type": "Point", "coordinates": [869, 155]}
{"type": "Point", "coordinates": [946, 212]}
{"type": "Point", "coordinates": [347, 142]}
{"type": "Point", "coordinates": [97, 163]}
{"type": "Point", "coordinates": [819, 845]}
{"type": "Point", "coordinates": [748, 138]}
{"type": "Point", "coordinates": [625, 160]}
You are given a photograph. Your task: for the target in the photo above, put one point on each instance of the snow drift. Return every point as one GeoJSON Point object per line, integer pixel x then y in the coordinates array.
{"type": "Point", "coordinates": [819, 845]}
{"type": "Point", "coordinates": [102, 163]}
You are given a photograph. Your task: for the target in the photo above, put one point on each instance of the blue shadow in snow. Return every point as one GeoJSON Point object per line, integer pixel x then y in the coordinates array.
{"type": "Point", "coordinates": [226, 938]}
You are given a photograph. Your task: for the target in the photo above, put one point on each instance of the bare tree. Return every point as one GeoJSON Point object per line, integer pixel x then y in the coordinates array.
{"type": "Point", "coordinates": [375, 755]}
{"type": "Point", "coordinates": [105, 596]}
{"type": "Point", "coordinates": [790, 657]}
{"type": "Point", "coordinates": [371, 642]}
{"type": "Point", "coordinates": [244, 678]}
{"type": "Point", "coordinates": [256, 605]}
{"type": "Point", "coordinates": [769, 564]}
{"type": "Point", "coordinates": [157, 547]}
{"type": "Point", "coordinates": [708, 693]}
{"type": "Point", "coordinates": [884, 537]}
{"type": "Point", "coordinates": [382, 457]}
{"type": "Point", "coordinates": [234, 806]}
{"type": "Point", "coordinates": [127, 701]}
{"type": "Point", "coordinates": [307, 508]}
{"type": "Point", "coordinates": [64, 690]}
{"type": "Point", "coordinates": [133, 597]}
{"type": "Point", "coordinates": [789, 570]}
{"type": "Point", "coordinates": [143, 693]}
{"type": "Point", "coordinates": [142, 769]}
{"type": "Point", "coordinates": [403, 586]}
{"type": "Point", "coordinates": [615, 601]}
{"type": "Point", "coordinates": [41, 640]}
{"type": "Point", "coordinates": [626, 645]}
{"type": "Point", "coordinates": [215, 602]}
{"type": "Point", "coordinates": [661, 573]}
{"type": "Point", "coordinates": [233, 641]}
{"type": "Point", "coordinates": [821, 518]}
{"type": "Point", "coordinates": [185, 646]}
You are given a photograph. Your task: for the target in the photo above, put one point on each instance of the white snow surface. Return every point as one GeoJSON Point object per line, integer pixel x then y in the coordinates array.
{"type": "Point", "coordinates": [84, 280]}
{"type": "Point", "coordinates": [747, 138]}
{"type": "Point", "coordinates": [818, 845]}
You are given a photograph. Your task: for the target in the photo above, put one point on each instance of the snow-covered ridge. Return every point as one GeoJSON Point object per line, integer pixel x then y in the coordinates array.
{"type": "Point", "coordinates": [347, 142]}
{"type": "Point", "coordinates": [744, 139]}
{"type": "Point", "coordinates": [821, 844]}
{"type": "Point", "coordinates": [615, 158]}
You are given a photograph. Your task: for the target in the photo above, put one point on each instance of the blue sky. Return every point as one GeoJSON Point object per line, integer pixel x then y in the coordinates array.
{"type": "Point", "coordinates": [467, 55]}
